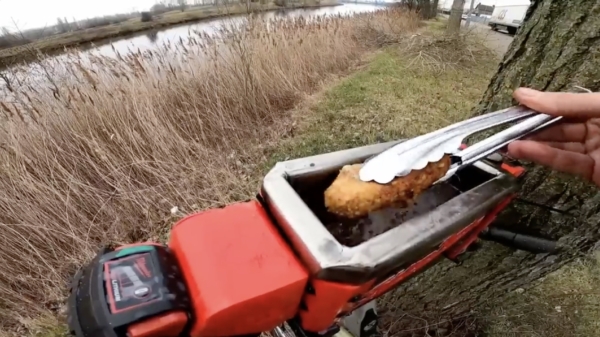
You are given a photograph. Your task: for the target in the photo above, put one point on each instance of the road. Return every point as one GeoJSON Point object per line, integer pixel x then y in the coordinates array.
{"type": "Point", "coordinates": [499, 41]}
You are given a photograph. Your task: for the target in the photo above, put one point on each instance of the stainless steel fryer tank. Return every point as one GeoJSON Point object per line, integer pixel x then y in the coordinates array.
{"type": "Point", "coordinates": [354, 251]}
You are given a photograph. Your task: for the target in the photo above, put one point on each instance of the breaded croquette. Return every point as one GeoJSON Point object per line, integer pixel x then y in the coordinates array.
{"type": "Point", "coordinates": [350, 197]}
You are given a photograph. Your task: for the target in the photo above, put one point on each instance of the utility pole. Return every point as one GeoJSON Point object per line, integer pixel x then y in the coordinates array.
{"type": "Point", "coordinates": [468, 21]}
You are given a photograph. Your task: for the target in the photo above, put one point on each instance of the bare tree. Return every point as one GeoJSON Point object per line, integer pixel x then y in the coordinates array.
{"type": "Point", "coordinates": [455, 16]}
{"type": "Point", "coordinates": [424, 8]}
{"type": "Point", "coordinates": [434, 8]}
{"type": "Point", "coordinates": [182, 4]}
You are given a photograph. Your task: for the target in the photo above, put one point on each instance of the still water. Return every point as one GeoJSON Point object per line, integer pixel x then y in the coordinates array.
{"type": "Point", "coordinates": [152, 39]}
{"type": "Point", "coordinates": [34, 72]}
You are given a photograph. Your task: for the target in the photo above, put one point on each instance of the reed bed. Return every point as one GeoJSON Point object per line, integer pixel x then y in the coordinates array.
{"type": "Point", "coordinates": [98, 149]}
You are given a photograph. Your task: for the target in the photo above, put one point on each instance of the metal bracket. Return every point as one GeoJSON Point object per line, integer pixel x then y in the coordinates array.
{"type": "Point", "coordinates": [363, 322]}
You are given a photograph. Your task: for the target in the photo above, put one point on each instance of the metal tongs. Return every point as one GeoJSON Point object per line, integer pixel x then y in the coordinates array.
{"type": "Point", "coordinates": [416, 153]}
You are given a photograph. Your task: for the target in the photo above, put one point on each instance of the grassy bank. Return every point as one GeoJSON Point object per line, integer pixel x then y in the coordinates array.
{"type": "Point", "coordinates": [563, 304]}
{"type": "Point", "coordinates": [135, 25]}
{"type": "Point", "coordinates": [399, 95]}
{"type": "Point", "coordinates": [118, 150]}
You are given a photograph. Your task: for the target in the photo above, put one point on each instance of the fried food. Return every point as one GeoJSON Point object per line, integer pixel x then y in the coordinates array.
{"type": "Point", "coordinates": [350, 197]}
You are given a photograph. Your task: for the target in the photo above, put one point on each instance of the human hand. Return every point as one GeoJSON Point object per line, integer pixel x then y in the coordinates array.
{"type": "Point", "coordinates": [571, 146]}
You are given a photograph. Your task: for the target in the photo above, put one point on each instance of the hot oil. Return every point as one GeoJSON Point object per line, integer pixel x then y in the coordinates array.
{"type": "Point", "coordinates": [352, 232]}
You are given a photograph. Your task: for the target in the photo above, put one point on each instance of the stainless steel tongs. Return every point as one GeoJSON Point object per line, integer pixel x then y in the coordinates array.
{"type": "Point", "coordinates": [416, 153]}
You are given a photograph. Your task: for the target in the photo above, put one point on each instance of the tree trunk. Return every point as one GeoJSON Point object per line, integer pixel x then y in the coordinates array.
{"type": "Point", "coordinates": [424, 9]}
{"type": "Point", "coordinates": [555, 49]}
{"type": "Point", "coordinates": [434, 8]}
{"type": "Point", "coordinates": [455, 16]}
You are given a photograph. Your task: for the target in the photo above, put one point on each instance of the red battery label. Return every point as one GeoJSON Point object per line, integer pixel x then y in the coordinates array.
{"type": "Point", "coordinates": [131, 282]}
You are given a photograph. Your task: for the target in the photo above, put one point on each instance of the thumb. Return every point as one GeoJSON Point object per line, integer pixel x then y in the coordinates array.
{"type": "Point", "coordinates": [576, 105]}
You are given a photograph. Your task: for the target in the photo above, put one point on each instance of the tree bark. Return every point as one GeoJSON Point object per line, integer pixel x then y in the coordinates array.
{"type": "Point", "coordinates": [455, 16]}
{"type": "Point", "coordinates": [427, 8]}
{"type": "Point", "coordinates": [555, 49]}
{"type": "Point", "coordinates": [424, 8]}
{"type": "Point", "coordinates": [434, 8]}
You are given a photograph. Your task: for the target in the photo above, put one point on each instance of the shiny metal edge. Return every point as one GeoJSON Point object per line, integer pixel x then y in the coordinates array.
{"type": "Point", "coordinates": [493, 143]}
{"type": "Point", "coordinates": [309, 237]}
{"type": "Point", "coordinates": [325, 257]}
{"type": "Point", "coordinates": [402, 243]}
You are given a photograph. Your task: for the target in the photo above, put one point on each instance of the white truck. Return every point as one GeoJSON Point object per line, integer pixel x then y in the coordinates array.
{"type": "Point", "coordinates": [509, 17]}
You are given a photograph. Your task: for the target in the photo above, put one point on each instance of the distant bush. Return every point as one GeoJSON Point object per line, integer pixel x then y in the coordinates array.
{"type": "Point", "coordinates": [157, 8]}
{"type": "Point", "coordinates": [146, 16]}
{"type": "Point", "coordinates": [10, 39]}
{"type": "Point", "coordinates": [15, 39]}
{"type": "Point", "coordinates": [161, 8]}
{"type": "Point", "coordinates": [425, 8]}
{"type": "Point", "coordinates": [104, 20]}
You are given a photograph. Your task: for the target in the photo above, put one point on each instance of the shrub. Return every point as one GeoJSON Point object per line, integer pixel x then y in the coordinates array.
{"type": "Point", "coordinates": [146, 16]}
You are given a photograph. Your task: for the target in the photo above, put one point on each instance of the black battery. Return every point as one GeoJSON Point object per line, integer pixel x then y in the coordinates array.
{"type": "Point", "coordinates": [122, 287]}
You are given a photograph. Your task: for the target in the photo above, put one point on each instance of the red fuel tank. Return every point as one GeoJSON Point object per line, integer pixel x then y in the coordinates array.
{"type": "Point", "coordinates": [242, 276]}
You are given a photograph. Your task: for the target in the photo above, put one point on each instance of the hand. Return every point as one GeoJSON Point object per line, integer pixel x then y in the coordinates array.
{"type": "Point", "coordinates": [571, 146]}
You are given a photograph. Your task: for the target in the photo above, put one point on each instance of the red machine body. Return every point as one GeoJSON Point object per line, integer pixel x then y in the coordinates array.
{"type": "Point", "coordinates": [234, 271]}
{"type": "Point", "coordinates": [244, 278]}
{"type": "Point", "coordinates": [238, 269]}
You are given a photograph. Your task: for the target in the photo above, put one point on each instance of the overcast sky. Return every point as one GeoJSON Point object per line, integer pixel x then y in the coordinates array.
{"type": "Point", "coordinates": [38, 13]}
{"type": "Point", "coordinates": [25, 14]}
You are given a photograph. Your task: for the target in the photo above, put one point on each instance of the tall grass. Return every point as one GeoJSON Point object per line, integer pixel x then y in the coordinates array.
{"type": "Point", "coordinates": [102, 149]}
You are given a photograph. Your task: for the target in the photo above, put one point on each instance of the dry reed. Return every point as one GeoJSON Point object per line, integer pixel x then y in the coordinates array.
{"type": "Point", "coordinates": [98, 149]}
{"type": "Point", "coordinates": [440, 52]}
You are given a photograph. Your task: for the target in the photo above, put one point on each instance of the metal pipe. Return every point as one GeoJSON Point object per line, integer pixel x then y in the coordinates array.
{"type": "Point", "coordinates": [524, 242]}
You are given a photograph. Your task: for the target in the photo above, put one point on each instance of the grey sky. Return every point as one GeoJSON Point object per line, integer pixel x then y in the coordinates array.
{"type": "Point", "coordinates": [25, 14]}
{"type": "Point", "coordinates": [38, 13]}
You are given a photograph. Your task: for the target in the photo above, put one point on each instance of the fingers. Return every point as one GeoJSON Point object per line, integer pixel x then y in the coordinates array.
{"type": "Point", "coordinates": [563, 132]}
{"type": "Point", "coordinates": [566, 104]}
{"type": "Point", "coordinates": [571, 147]}
{"type": "Point", "coordinates": [558, 159]}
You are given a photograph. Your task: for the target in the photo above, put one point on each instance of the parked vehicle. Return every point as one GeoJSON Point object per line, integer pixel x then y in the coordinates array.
{"type": "Point", "coordinates": [509, 17]}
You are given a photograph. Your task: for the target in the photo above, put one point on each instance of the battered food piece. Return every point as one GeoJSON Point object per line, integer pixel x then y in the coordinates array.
{"type": "Point", "coordinates": [350, 197]}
